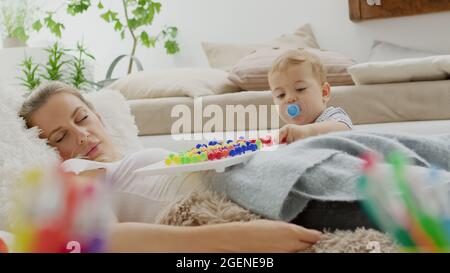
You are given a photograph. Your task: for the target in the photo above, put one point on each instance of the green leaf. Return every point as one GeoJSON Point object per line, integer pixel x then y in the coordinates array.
{"type": "Point", "coordinates": [106, 16]}
{"type": "Point", "coordinates": [171, 46]}
{"type": "Point", "coordinates": [118, 26]}
{"type": "Point", "coordinates": [77, 7]}
{"type": "Point", "coordinates": [139, 12]}
{"type": "Point", "coordinates": [109, 16]}
{"type": "Point", "coordinates": [19, 33]}
{"type": "Point", "coordinates": [133, 23]}
{"type": "Point", "coordinates": [100, 5]}
{"type": "Point", "coordinates": [145, 39]}
{"type": "Point", "coordinates": [173, 31]}
{"type": "Point", "coordinates": [54, 27]}
{"type": "Point", "coordinates": [113, 15]}
{"type": "Point", "coordinates": [157, 6]}
{"type": "Point", "coordinates": [37, 26]}
{"type": "Point", "coordinates": [122, 34]}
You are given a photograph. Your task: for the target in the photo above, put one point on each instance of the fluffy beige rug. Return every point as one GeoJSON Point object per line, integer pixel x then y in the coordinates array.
{"type": "Point", "coordinates": [203, 208]}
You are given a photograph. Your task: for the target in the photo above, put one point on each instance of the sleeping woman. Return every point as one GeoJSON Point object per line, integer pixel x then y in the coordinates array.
{"type": "Point", "coordinates": [71, 125]}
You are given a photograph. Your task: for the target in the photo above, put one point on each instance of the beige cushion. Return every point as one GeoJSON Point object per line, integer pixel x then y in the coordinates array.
{"type": "Point", "coordinates": [366, 104]}
{"type": "Point", "coordinates": [384, 51]}
{"type": "Point", "coordinates": [251, 72]}
{"type": "Point", "coordinates": [177, 82]}
{"type": "Point", "coordinates": [395, 102]}
{"type": "Point", "coordinates": [405, 70]}
{"type": "Point", "coordinates": [225, 55]}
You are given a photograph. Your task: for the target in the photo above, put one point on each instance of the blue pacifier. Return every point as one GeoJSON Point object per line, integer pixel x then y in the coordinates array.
{"type": "Point", "coordinates": [293, 110]}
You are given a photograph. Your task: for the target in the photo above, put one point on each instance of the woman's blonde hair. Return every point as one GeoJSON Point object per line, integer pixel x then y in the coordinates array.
{"type": "Point", "coordinates": [42, 94]}
{"type": "Point", "coordinates": [300, 56]}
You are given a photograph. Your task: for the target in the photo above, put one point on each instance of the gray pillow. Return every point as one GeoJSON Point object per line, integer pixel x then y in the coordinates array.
{"type": "Point", "coordinates": [384, 51]}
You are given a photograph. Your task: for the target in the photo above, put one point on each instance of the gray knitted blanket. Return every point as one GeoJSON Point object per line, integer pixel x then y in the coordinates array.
{"type": "Point", "coordinates": [279, 184]}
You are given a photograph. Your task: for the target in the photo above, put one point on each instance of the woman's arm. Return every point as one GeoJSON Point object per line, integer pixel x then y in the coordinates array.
{"type": "Point", "coordinates": [255, 236]}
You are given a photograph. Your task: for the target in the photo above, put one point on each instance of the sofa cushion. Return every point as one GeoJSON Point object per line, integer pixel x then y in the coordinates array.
{"type": "Point", "coordinates": [251, 72]}
{"type": "Point", "coordinates": [405, 70]}
{"type": "Point", "coordinates": [384, 51]}
{"type": "Point", "coordinates": [225, 55]}
{"type": "Point", "coordinates": [174, 82]}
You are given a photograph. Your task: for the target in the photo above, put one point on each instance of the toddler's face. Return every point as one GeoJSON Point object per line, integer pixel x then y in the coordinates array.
{"type": "Point", "coordinates": [298, 85]}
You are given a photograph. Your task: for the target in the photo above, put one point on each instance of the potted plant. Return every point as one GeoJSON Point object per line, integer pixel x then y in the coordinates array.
{"type": "Point", "coordinates": [16, 18]}
{"type": "Point", "coordinates": [135, 19]}
{"type": "Point", "coordinates": [65, 65]}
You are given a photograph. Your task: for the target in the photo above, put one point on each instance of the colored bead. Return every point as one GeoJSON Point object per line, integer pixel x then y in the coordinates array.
{"type": "Point", "coordinates": [177, 160]}
{"type": "Point", "coordinates": [259, 144]}
{"type": "Point", "coordinates": [225, 153]}
{"type": "Point", "coordinates": [254, 147]}
{"type": "Point", "coordinates": [266, 140]}
{"type": "Point", "coordinates": [168, 161]}
{"type": "Point", "coordinates": [194, 159]}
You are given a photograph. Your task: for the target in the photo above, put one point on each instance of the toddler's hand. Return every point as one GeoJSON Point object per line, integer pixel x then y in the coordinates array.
{"type": "Point", "coordinates": [292, 132]}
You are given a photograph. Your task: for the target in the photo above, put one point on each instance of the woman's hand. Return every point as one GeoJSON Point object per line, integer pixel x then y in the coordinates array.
{"type": "Point", "coordinates": [268, 236]}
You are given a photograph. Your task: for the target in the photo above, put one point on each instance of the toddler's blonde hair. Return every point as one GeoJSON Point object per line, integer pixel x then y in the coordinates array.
{"type": "Point", "coordinates": [300, 56]}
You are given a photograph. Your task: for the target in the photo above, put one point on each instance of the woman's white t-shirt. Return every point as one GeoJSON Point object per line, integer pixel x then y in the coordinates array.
{"type": "Point", "coordinates": [140, 198]}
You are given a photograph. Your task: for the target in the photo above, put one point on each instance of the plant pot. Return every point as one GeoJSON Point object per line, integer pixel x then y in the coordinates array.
{"type": "Point", "coordinates": [13, 42]}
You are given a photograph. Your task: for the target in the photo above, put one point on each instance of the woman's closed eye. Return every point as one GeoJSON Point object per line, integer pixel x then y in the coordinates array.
{"type": "Point", "coordinates": [61, 138]}
{"type": "Point", "coordinates": [301, 89]}
{"type": "Point", "coordinates": [83, 118]}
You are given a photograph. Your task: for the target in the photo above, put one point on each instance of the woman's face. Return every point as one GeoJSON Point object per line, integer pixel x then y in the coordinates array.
{"type": "Point", "coordinates": [74, 129]}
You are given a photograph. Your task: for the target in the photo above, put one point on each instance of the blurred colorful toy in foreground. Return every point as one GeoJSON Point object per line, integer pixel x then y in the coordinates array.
{"type": "Point", "coordinates": [216, 150]}
{"type": "Point", "coordinates": [3, 247]}
{"type": "Point", "coordinates": [56, 212]}
{"type": "Point", "coordinates": [412, 206]}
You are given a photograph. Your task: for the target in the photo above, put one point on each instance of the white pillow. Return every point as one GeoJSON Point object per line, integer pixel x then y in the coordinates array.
{"type": "Point", "coordinates": [405, 70]}
{"type": "Point", "coordinates": [176, 82]}
{"type": "Point", "coordinates": [21, 148]}
{"type": "Point", "coordinates": [384, 51]}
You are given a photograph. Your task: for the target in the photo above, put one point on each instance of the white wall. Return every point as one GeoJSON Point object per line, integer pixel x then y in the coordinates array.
{"type": "Point", "coordinates": [255, 21]}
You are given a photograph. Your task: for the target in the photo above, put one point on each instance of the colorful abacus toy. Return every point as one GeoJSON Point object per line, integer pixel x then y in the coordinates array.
{"type": "Point", "coordinates": [216, 150]}
{"type": "Point", "coordinates": [412, 206]}
{"type": "Point", "coordinates": [57, 212]}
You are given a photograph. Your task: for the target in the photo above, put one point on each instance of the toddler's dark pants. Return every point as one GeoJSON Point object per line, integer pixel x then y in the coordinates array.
{"type": "Point", "coordinates": [334, 215]}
